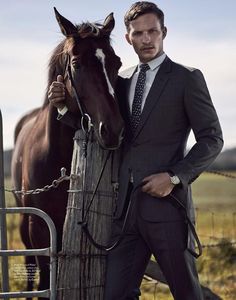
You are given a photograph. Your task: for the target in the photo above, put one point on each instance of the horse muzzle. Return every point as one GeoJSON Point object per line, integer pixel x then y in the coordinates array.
{"type": "Point", "coordinates": [110, 138]}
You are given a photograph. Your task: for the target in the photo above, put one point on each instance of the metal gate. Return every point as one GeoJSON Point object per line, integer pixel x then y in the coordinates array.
{"type": "Point", "coordinates": [50, 251]}
{"type": "Point", "coordinates": [4, 253]}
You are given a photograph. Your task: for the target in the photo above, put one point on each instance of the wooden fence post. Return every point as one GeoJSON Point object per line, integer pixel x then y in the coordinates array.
{"type": "Point", "coordinates": [82, 266]}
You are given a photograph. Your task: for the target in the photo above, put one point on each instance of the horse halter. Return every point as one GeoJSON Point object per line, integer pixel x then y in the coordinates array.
{"type": "Point", "coordinates": [86, 122]}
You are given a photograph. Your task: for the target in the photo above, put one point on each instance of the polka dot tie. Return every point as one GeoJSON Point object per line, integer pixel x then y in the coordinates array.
{"type": "Point", "coordinates": [138, 95]}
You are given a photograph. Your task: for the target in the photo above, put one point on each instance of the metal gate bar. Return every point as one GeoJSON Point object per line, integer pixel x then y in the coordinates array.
{"type": "Point", "coordinates": [45, 294]}
{"type": "Point", "coordinates": [51, 251]}
{"type": "Point", "coordinates": [4, 253]}
{"type": "Point", "coordinates": [3, 231]}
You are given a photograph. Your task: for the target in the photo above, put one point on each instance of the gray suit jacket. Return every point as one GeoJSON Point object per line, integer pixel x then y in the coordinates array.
{"type": "Point", "coordinates": [178, 101]}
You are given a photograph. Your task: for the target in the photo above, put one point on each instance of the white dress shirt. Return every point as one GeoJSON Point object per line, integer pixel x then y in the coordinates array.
{"type": "Point", "coordinates": [150, 76]}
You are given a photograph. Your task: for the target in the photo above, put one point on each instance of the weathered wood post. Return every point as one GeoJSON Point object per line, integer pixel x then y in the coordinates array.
{"type": "Point", "coordinates": [82, 266]}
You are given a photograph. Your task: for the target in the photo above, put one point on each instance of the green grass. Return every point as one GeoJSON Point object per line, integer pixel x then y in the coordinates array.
{"type": "Point", "coordinates": [215, 200]}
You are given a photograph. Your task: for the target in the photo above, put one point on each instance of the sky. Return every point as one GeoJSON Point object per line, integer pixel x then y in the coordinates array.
{"type": "Point", "coordinates": [201, 34]}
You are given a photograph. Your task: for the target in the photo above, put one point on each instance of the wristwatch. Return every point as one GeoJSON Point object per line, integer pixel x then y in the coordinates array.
{"type": "Point", "coordinates": [174, 179]}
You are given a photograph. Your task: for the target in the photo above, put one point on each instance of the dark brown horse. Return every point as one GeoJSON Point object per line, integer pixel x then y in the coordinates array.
{"type": "Point", "coordinates": [44, 144]}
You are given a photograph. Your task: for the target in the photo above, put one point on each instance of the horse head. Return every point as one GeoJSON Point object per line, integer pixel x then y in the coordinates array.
{"type": "Point", "coordinates": [93, 70]}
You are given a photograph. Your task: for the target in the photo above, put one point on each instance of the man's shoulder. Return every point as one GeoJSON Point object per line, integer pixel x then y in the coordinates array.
{"type": "Point", "coordinates": [183, 68]}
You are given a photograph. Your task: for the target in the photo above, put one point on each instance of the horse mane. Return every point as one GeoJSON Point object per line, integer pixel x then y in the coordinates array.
{"type": "Point", "coordinates": [56, 63]}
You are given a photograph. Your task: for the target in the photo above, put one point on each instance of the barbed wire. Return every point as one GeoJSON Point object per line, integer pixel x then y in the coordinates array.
{"type": "Point", "coordinates": [224, 174]}
{"type": "Point", "coordinates": [219, 245]}
{"type": "Point", "coordinates": [55, 183]}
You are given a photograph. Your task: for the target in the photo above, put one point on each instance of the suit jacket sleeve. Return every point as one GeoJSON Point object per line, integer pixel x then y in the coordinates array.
{"type": "Point", "coordinates": [206, 128]}
{"type": "Point", "coordinates": [69, 119]}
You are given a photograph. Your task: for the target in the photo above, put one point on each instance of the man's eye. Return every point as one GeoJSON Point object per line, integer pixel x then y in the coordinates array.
{"type": "Point", "coordinates": [137, 33]}
{"type": "Point", "coordinates": [153, 31]}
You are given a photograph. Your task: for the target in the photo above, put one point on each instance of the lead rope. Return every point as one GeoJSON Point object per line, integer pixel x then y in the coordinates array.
{"type": "Point", "coordinates": [84, 225]}
{"type": "Point", "coordinates": [84, 222]}
{"type": "Point", "coordinates": [192, 229]}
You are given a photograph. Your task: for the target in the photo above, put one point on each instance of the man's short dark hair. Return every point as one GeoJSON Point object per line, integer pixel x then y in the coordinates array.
{"type": "Point", "coordinates": [140, 8]}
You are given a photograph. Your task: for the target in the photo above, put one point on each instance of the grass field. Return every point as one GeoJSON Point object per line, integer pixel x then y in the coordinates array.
{"type": "Point", "coordinates": [215, 202]}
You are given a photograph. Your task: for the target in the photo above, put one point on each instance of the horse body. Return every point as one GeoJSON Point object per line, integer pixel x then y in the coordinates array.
{"type": "Point", "coordinates": [41, 150]}
{"type": "Point", "coordinates": [43, 145]}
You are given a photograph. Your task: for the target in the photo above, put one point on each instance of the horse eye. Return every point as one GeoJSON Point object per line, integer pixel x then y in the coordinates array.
{"type": "Point", "coordinates": [75, 63]}
{"type": "Point", "coordinates": [76, 66]}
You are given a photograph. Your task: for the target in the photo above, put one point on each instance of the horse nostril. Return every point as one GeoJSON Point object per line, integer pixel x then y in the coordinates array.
{"type": "Point", "coordinates": [111, 138]}
{"type": "Point", "coordinates": [103, 130]}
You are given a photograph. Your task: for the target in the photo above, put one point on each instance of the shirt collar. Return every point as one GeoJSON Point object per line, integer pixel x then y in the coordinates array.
{"type": "Point", "coordinates": [156, 62]}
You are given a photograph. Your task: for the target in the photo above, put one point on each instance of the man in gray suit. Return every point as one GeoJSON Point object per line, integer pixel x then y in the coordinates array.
{"type": "Point", "coordinates": [161, 101]}
{"type": "Point", "coordinates": [155, 174]}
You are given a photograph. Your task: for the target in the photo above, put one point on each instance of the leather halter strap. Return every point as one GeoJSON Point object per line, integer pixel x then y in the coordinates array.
{"type": "Point", "coordinates": [86, 122]}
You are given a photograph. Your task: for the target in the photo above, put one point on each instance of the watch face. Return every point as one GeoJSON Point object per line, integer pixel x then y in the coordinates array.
{"type": "Point", "coordinates": [175, 179]}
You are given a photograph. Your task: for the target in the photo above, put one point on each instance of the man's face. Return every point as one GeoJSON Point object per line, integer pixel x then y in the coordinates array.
{"type": "Point", "coordinates": [146, 36]}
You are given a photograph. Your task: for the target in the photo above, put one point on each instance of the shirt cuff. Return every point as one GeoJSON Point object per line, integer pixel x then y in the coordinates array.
{"type": "Point", "coordinates": [62, 111]}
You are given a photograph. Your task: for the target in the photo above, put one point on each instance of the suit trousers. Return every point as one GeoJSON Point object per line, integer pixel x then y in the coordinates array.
{"type": "Point", "coordinates": [127, 262]}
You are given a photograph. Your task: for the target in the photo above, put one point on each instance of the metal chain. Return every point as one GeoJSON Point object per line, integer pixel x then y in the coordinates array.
{"type": "Point", "coordinates": [55, 183]}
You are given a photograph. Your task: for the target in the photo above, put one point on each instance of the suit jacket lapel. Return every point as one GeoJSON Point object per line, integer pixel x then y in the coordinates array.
{"type": "Point", "coordinates": [155, 92]}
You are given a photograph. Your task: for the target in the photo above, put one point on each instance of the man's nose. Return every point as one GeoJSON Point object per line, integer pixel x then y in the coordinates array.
{"type": "Point", "coordinates": [146, 38]}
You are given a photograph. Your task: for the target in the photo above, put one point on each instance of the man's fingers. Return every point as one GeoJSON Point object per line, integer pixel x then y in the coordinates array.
{"type": "Point", "coordinates": [57, 98]}
{"type": "Point", "coordinates": [56, 93]}
{"type": "Point", "coordinates": [148, 178]}
{"type": "Point", "coordinates": [57, 85]}
{"type": "Point", "coordinates": [56, 89]}
{"type": "Point", "coordinates": [59, 78]}
{"type": "Point", "coordinates": [146, 187]}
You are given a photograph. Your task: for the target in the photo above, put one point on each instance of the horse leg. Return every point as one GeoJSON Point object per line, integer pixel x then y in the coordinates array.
{"type": "Point", "coordinates": [44, 275]}
{"type": "Point", "coordinates": [30, 264]}
{"type": "Point", "coordinates": [39, 235]}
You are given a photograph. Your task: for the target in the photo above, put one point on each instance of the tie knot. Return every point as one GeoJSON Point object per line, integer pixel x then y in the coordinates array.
{"type": "Point", "coordinates": [144, 67]}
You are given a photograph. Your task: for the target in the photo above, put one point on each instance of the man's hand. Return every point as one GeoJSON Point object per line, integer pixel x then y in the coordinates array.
{"type": "Point", "coordinates": [56, 93]}
{"type": "Point", "coordinates": [158, 185]}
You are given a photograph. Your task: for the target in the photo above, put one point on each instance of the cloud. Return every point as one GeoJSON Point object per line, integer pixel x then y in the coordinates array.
{"type": "Point", "coordinates": [23, 80]}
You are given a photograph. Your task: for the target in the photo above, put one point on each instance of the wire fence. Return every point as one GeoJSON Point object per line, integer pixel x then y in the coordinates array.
{"type": "Point", "coordinates": [216, 227]}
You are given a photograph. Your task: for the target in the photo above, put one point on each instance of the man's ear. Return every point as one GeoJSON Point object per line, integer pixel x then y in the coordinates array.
{"type": "Point", "coordinates": [127, 38]}
{"type": "Point", "coordinates": [164, 32]}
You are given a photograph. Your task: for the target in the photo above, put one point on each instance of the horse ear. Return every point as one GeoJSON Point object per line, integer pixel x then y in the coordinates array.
{"type": "Point", "coordinates": [108, 24]}
{"type": "Point", "coordinates": [67, 28]}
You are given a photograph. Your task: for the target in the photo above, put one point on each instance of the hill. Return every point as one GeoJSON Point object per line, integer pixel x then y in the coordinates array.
{"type": "Point", "coordinates": [225, 161]}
